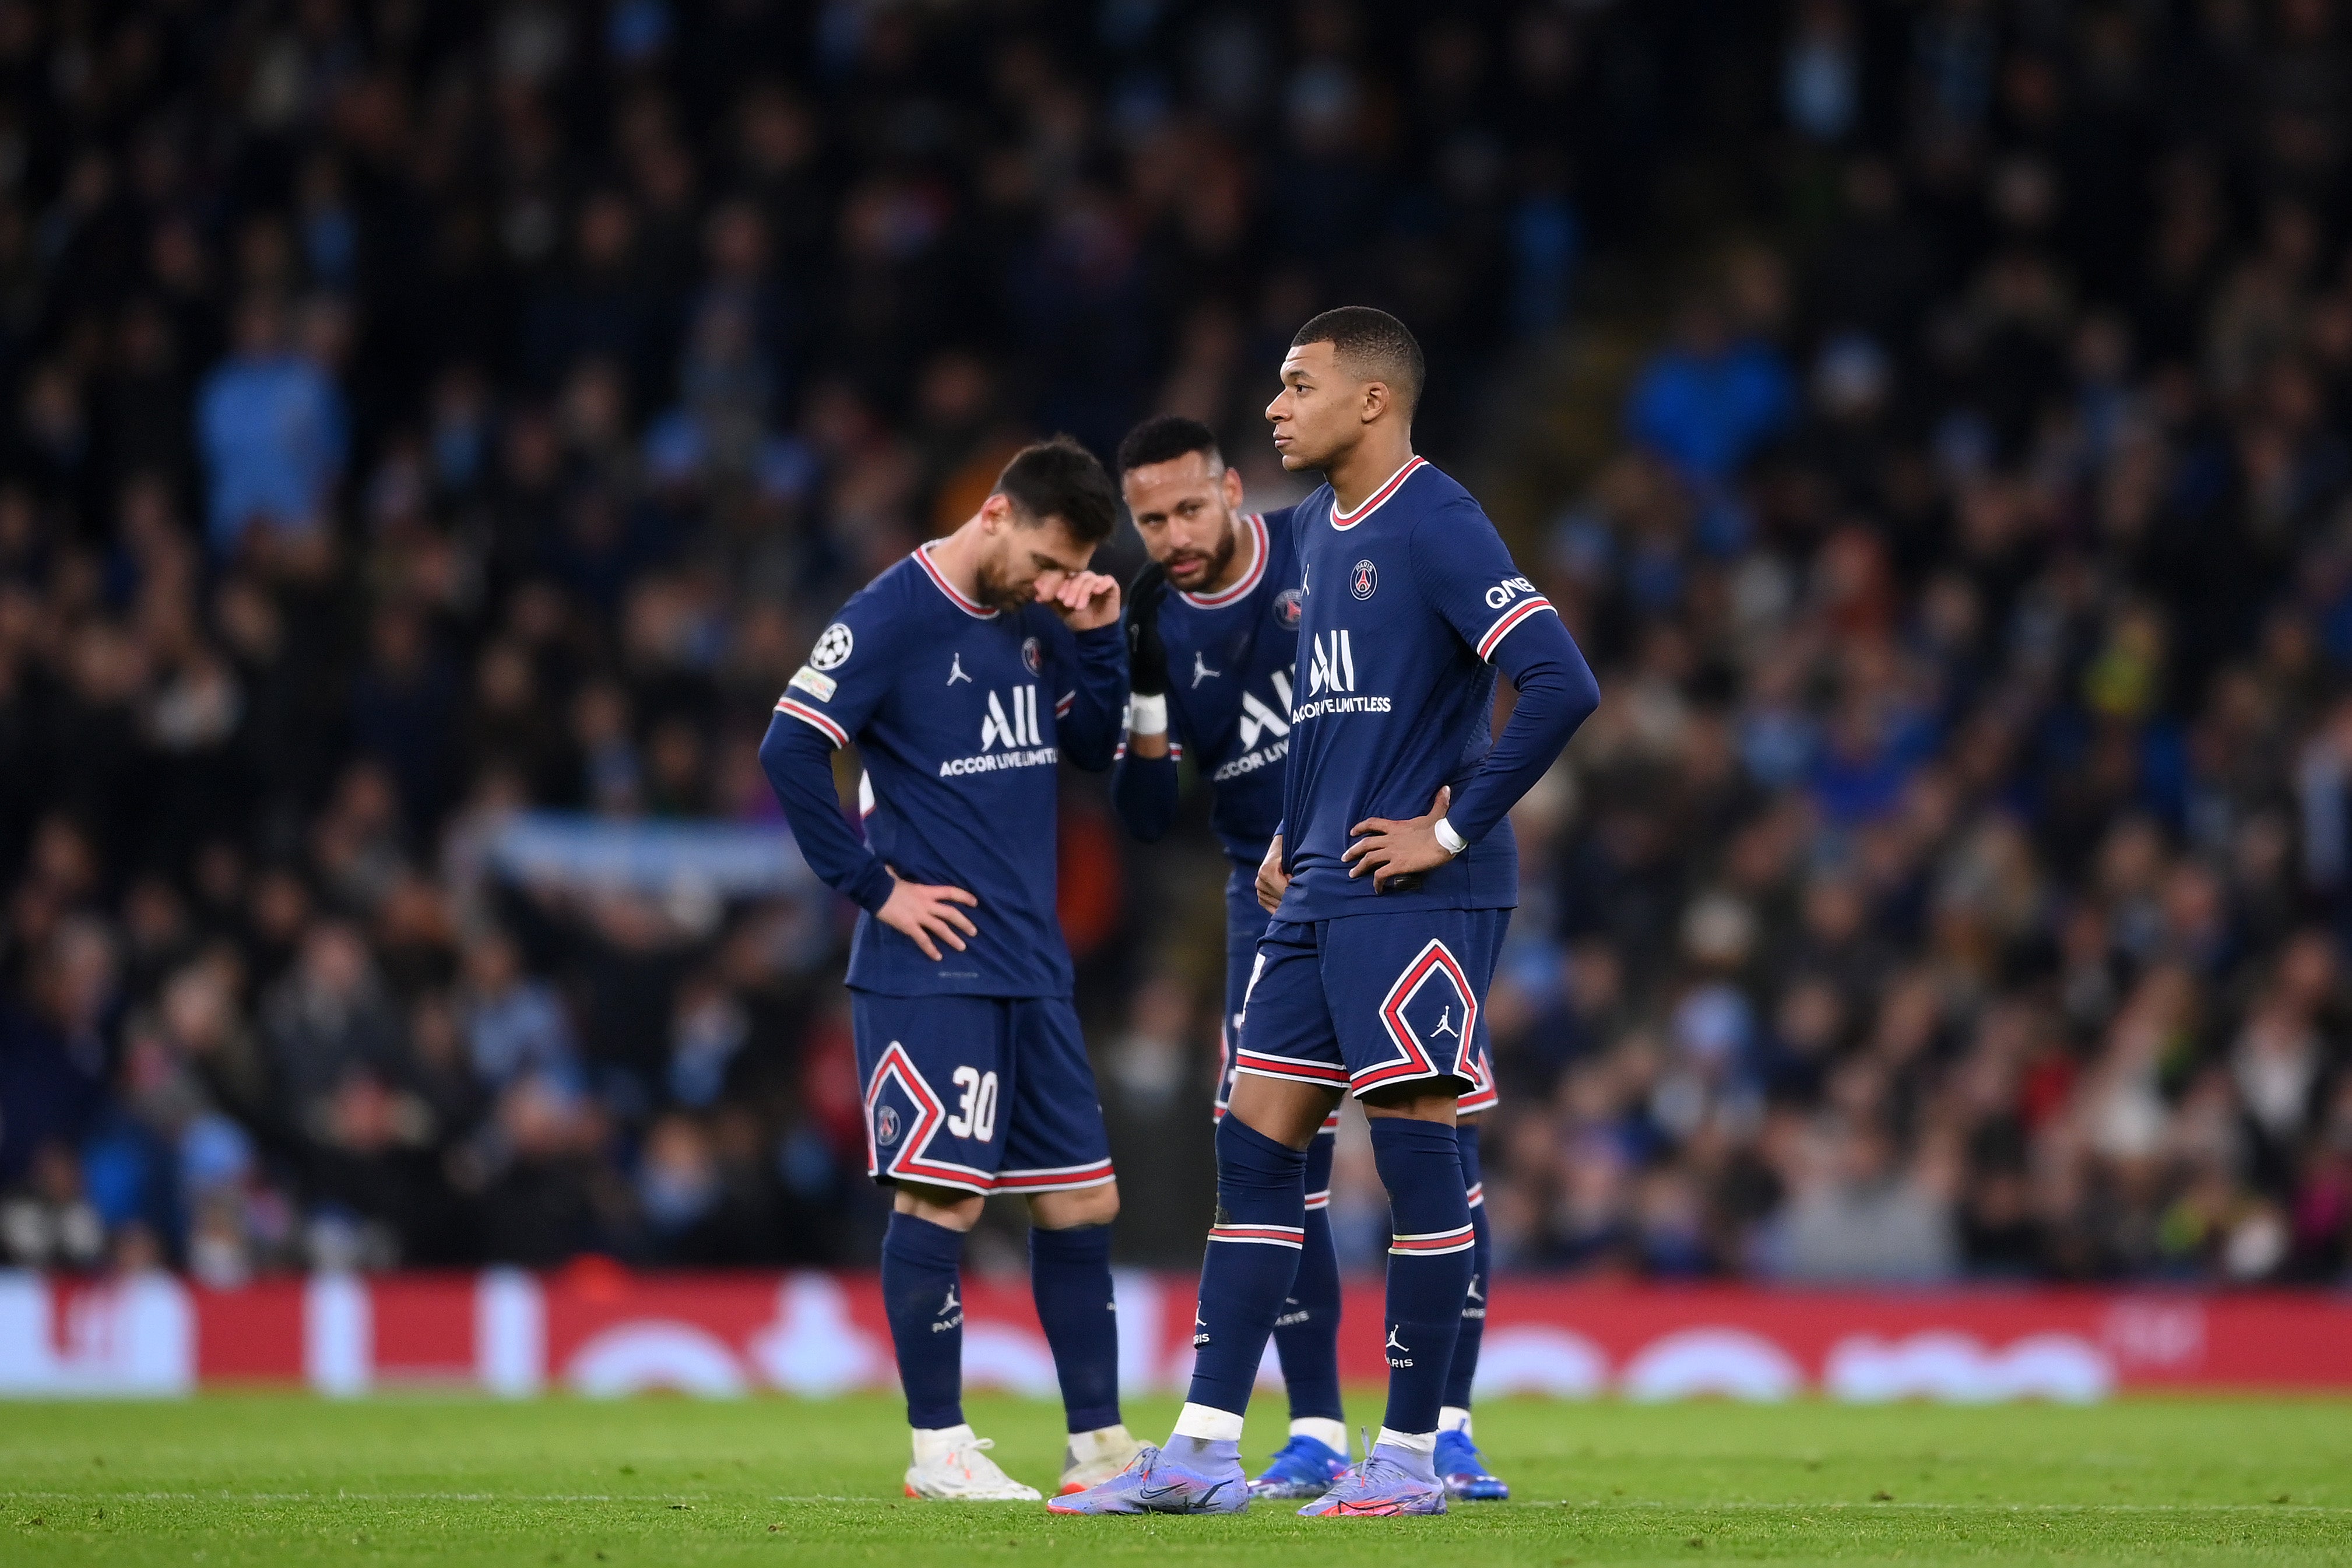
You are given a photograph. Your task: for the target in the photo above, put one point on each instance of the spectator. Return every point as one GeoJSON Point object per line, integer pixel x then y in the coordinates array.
{"type": "Point", "coordinates": [273, 429]}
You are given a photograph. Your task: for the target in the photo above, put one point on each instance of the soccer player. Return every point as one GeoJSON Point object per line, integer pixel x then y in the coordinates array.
{"type": "Point", "coordinates": [963, 673]}
{"type": "Point", "coordinates": [1213, 640]}
{"type": "Point", "coordinates": [1391, 886]}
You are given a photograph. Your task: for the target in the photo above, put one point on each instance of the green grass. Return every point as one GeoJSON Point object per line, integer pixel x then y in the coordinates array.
{"type": "Point", "coordinates": [663, 1483]}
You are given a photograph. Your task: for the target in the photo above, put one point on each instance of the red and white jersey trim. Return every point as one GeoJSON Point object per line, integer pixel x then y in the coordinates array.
{"type": "Point", "coordinates": [1321, 1199]}
{"type": "Point", "coordinates": [1250, 579]}
{"type": "Point", "coordinates": [1056, 1178]}
{"type": "Point", "coordinates": [1509, 621]}
{"type": "Point", "coordinates": [810, 716]}
{"type": "Point", "coordinates": [977, 611]}
{"type": "Point", "coordinates": [1295, 1068]}
{"type": "Point", "coordinates": [1476, 1195]}
{"type": "Point", "coordinates": [1344, 521]}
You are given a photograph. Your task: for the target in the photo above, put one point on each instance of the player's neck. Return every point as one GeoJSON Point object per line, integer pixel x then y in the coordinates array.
{"type": "Point", "coordinates": [957, 558]}
{"type": "Point", "coordinates": [1237, 564]}
{"type": "Point", "coordinates": [1370, 464]}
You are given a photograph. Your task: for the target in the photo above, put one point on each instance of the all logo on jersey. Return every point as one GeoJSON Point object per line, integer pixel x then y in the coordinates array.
{"type": "Point", "coordinates": [1257, 718]}
{"type": "Point", "coordinates": [1331, 663]}
{"type": "Point", "coordinates": [833, 646]}
{"type": "Point", "coordinates": [1015, 730]}
{"type": "Point", "coordinates": [1033, 655]}
{"type": "Point", "coordinates": [1287, 610]}
{"type": "Point", "coordinates": [1364, 580]}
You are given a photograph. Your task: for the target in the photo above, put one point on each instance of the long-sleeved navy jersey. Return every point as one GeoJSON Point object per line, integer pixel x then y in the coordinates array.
{"type": "Point", "coordinates": [960, 714]}
{"type": "Point", "coordinates": [1410, 605]}
{"type": "Point", "coordinates": [1230, 658]}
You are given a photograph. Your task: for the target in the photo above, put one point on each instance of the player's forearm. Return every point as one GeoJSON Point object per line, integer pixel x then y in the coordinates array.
{"type": "Point", "coordinates": [1089, 730]}
{"type": "Point", "coordinates": [1143, 790]}
{"type": "Point", "coordinates": [798, 762]}
{"type": "Point", "coordinates": [1556, 694]}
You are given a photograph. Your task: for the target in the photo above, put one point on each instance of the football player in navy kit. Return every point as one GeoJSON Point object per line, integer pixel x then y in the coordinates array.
{"type": "Point", "coordinates": [1389, 885]}
{"type": "Point", "coordinates": [1213, 640]}
{"type": "Point", "coordinates": [964, 674]}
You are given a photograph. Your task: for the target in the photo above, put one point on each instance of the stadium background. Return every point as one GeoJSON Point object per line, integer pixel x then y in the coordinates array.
{"type": "Point", "coordinates": [419, 417]}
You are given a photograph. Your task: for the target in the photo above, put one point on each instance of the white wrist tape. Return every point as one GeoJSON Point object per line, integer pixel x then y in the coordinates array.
{"type": "Point", "coordinates": [1451, 842]}
{"type": "Point", "coordinates": [1146, 715]}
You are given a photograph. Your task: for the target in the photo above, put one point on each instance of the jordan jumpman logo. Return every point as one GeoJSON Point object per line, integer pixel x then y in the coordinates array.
{"type": "Point", "coordinates": [1445, 1023]}
{"type": "Point", "coordinates": [950, 1304]}
{"type": "Point", "coordinates": [955, 671]}
{"type": "Point", "coordinates": [1401, 1350]}
{"type": "Point", "coordinates": [1201, 670]}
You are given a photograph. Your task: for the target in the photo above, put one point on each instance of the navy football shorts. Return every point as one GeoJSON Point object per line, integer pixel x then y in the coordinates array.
{"type": "Point", "coordinates": [1367, 1001]}
{"type": "Point", "coordinates": [983, 1094]}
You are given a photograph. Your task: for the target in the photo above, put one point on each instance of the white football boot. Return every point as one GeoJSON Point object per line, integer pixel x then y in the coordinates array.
{"type": "Point", "coordinates": [1093, 1458]}
{"type": "Point", "coordinates": [951, 1464]}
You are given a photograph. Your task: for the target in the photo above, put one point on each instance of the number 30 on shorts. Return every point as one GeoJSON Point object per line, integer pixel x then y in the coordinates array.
{"type": "Point", "coordinates": [975, 1116]}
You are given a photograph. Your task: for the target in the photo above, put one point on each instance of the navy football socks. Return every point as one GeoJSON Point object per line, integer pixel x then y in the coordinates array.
{"type": "Point", "coordinates": [1429, 1264]}
{"type": "Point", "coordinates": [1307, 1335]}
{"type": "Point", "coordinates": [1252, 1256]}
{"type": "Point", "coordinates": [921, 1294]}
{"type": "Point", "coordinates": [1069, 1275]}
{"type": "Point", "coordinates": [1465, 1367]}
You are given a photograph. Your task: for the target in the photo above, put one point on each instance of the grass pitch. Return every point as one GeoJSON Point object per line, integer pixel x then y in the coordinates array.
{"type": "Point", "coordinates": [669, 1483]}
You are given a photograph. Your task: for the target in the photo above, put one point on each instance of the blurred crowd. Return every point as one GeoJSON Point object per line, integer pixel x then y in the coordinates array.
{"type": "Point", "coordinates": [1954, 883]}
{"type": "Point", "coordinates": [418, 413]}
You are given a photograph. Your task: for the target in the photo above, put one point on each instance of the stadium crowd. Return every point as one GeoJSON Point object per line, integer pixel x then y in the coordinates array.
{"type": "Point", "coordinates": [419, 413]}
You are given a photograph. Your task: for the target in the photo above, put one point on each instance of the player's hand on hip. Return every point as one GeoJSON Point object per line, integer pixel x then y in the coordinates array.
{"type": "Point", "coordinates": [1271, 881]}
{"type": "Point", "coordinates": [928, 916]}
{"type": "Point", "coordinates": [1386, 850]}
{"type": "Point", "coordinates": [1087, 600]}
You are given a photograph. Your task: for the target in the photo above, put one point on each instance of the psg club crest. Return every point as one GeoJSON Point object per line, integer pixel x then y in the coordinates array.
{"type": "Point", "coordinates": [886, 1126]}
{"type": "Point", "coordinates": [833, 646]}
{"type": "Point", "coordinates": [1363, 580]}
{"type": "Point", "coordinates": [1032, 655]}
{"type": "Point", "coordinates": [1287, 610]}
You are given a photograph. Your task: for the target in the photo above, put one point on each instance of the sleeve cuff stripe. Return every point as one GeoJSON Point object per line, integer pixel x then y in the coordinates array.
{"type": "Point", "coordinates": [810, 716]}
{"type": "Point", "coordinates": [1502, 628]}
{"type": "Point", "coordinates": [1062, 708]}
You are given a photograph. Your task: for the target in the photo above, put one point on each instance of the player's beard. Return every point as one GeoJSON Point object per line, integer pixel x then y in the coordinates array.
{"type": "Point", "coordinates": [1218, 562]}
{"type": "Point", "coordinates": [999, 594]}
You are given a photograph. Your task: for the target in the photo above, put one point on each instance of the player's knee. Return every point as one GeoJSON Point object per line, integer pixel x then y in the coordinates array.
{"type": "Point", "coordinates": [1417, 1100]}
{"type": "Point", "coordinates": [1289, 1113]}
{"type": "Point", "coordinates": [941, 1206]}
{"type": "Point", "coordinates": [1067, 1211]}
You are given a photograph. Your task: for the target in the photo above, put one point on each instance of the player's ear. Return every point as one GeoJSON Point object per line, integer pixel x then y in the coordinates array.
{"type": "Point", "coordinates": [1232, 484]}
{"type": "Point", "coordinates": [1376, 400]}
{"type": "Point", "coordinates": [996, 512]}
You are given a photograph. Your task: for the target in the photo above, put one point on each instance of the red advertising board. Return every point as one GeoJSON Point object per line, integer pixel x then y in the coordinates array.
{"type": "Point", "coordinates": [600, 1329]}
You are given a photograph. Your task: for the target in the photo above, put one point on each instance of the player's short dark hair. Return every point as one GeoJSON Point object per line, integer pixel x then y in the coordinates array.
{"type": "Point", "coordinates": [1163, 439]}
{"type": "Point", "coordinates": [1374, 345]}
{"type": "Point", "coordinates": [1061, 478]}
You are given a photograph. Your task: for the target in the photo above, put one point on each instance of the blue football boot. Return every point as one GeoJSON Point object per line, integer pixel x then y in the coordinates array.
{"type": "Point", "coordinates": [1303, 1467]}
{"type": "Point", "coordinates": [1389, 1482]}
{"type": "Point", "coordinates": [1465, 1473]}
{"type": "Point", "coordinates": [1208, 1478]}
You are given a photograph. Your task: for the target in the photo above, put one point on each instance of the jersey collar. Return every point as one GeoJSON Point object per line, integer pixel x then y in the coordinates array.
{"type": "Point", "coordinates": [940, 581]}
{"type": "Point", "coordinates": [1250, 579]}
{"type": "Point", "coordinates": [1344, 521]}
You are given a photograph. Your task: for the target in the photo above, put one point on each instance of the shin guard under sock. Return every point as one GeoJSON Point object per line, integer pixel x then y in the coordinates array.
{"type": "Point", "coordinates": [1463, 1370]}
{"type": "Point", "coordinates": [924, 1300]}
{"type": "Point", "coordinates": [1307, 1335]}
{"type": "Point", "coordinates": [1069, 1275]}
{"type": "Point", "coordinates": [1252, 1256]}
{"type": "Point", "coordinates": [1429, 1263]}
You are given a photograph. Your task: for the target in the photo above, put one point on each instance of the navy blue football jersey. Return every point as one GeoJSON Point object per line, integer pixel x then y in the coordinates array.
{"type": "Point", "coordinates": [1230, 658]}
{"type": "Point", "coordinates": [1404, 603]}
{"type": "Point", "coordinates": [961, 714]}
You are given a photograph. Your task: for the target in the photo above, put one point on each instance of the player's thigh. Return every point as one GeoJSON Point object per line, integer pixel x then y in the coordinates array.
{"type": "Point", "coordinates": [1405, 992]}
{"type": "Point", "coordinates": [1244, 923]}
{"type": "Point", "coordinates": [933, 1070]}
{"type": "Point", "coordinates": [1050, 1115]}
